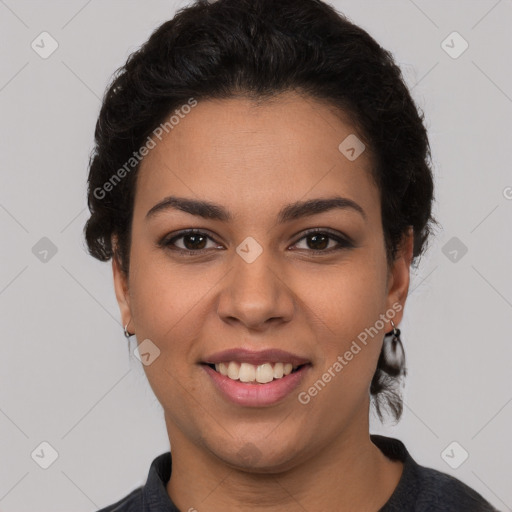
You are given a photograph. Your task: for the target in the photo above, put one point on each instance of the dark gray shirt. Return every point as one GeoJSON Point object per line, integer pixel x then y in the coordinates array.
{"type": "Point", "coordinates": [420, 489]}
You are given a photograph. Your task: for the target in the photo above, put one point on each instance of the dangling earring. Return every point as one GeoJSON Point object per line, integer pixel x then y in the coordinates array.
{"type": "Point", "coordinates": [126, 333]}
{"type": "Point", "coordinates": [395, 333]}
{"type": "Point", "coordinates": [393, 351]}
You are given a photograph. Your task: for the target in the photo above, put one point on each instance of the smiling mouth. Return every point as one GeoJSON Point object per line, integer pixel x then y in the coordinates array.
{"type": "Point", "coordinates": [254, 374]}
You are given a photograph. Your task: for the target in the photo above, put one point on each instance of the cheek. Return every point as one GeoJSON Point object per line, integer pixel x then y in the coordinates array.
{"type": "Point", "coordinates": [349, 298]}
{"type": "Point", "coordinates": [166, 308]}
{"type": "Point", "coordinates": [349, 302]}
{"type": "Point", "coordinates": [170, 305]}
{"type": "Point", "coordinates": [348, 343]}
{"type": "Point", "coordinates": [162, 291]}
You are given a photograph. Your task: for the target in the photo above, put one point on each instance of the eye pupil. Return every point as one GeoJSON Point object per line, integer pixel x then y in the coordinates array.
{"type": "Point", "coordinates": [323, 244]}
{"type": "Point", "coordinates": [193, 237]}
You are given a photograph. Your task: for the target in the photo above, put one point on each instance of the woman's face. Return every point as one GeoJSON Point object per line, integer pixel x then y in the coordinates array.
{"type": "Point", "coordinates": [254, 279]}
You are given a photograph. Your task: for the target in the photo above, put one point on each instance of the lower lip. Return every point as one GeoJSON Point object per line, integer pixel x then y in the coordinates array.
{"type": "Point", "coordinates": [256, 395]}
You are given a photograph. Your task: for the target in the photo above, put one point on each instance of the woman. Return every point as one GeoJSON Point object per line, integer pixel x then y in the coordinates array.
{"type": "Point", "coordinates": [261, 181]}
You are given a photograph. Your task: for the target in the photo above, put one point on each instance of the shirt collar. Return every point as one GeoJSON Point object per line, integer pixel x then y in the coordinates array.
{"type": "Point", "coordinates": [156, 499]}
{"type": "Point", "coordinates": [154, 495]}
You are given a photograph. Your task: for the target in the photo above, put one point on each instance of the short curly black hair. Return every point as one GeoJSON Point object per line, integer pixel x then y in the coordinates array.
{"type": "Point", "coordinates": [260, 48]}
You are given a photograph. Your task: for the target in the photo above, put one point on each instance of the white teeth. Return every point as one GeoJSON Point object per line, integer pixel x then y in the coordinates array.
{"type": "Point", "coordinates": [222, 368]}
{"type": "Point", "coordinates": [278, 370]}
{"type": "Point", "coordinates": [264, 373]}
{"type": "Point", "coordinates": [246, 372]}
{"type": "Point", "coordinates": [233, 370]}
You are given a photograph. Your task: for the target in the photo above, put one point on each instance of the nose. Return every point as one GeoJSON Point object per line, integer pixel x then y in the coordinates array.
{"type": "Point", "coordinates": [256, 294]}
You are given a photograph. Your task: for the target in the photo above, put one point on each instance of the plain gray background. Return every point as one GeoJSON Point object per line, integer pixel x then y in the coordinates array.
{"type": "Point", "coordinates": [65, 374]}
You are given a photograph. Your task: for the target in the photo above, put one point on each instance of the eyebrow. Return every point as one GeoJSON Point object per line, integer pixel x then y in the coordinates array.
{"type": "Point", "coordinates": [293, 211]}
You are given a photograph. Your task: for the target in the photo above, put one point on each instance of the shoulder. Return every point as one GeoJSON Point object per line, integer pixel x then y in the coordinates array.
{"type": "Point", "coordinates": [423, 489]}
{"type": "Point", "coordinates": [130, 503]}
{"type": "Point", "coordinates": [440, 491]}
{"type": "Point", "coordinates": [153, 491]}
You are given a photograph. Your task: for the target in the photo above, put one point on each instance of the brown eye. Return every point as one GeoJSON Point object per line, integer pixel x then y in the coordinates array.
{"type": "Point", "coordinates": [189, 242]}
{"type": "Point", "coordinates": [194, 241]}
{"type": "Point", "coordinates": [318, 241]}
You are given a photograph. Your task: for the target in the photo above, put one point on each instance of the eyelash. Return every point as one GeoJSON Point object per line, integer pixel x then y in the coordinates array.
{"type": "Point", "coordinates": [343, 243]}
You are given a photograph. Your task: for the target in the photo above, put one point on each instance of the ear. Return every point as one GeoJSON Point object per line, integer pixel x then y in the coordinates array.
{"type": "Point", "coordinates": [399, 276]}
{"type": "Point", "coordinates": [122, 291]}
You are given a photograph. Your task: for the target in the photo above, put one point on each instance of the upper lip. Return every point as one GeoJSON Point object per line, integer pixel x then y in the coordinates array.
{"type": "Point", "coordinates": [241, 355]}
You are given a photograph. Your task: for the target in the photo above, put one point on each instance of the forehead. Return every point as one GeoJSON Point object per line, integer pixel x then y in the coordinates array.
{"type": "Point", "coordinates": [247, 154]}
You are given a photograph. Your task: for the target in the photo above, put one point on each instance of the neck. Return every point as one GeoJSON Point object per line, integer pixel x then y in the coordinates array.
{"type": "Point", "coordinates": [351, 473]}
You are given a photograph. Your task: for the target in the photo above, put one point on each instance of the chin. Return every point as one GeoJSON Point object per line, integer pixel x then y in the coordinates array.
{"type": "Point", "coordinates": [260, 457]}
